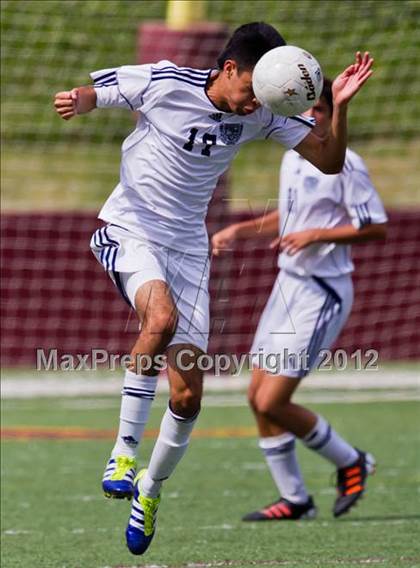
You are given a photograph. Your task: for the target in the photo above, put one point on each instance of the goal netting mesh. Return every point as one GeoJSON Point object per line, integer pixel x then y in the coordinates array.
{"type": "Point", "coordinates": [56, 296]}
{"type": "Point", "coordinates": [52, 45]}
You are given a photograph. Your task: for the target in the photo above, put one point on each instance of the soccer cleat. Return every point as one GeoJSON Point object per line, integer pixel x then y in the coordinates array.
{"type": "Point", "coordinates": [351, 482]}
{"type": "Point", "coordinates": [284, 510]}
{"type": "Point", "coordinates": [142, 522]}
{"type": "Point", "coordinates": [118, 477]}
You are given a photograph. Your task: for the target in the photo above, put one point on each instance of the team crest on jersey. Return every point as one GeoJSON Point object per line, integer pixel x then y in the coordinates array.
{"type": "Point", "coordinates": [217, 116]}
{"type": "Point", "coordinates": [310, 183]}
{"type": "Point", "coordinates": [230, 133]}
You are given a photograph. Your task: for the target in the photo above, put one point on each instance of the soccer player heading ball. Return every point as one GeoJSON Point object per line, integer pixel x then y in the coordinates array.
{"type": "Point", "coordinates": [154, 245]}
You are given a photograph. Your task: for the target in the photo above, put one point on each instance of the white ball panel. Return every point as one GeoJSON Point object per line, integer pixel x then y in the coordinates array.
{"type": "Point", "coordinates": [288, 80]}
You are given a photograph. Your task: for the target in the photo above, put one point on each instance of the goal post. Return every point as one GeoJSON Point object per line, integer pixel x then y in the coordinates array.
{"type": "Point", "coordinates": [181, 13]}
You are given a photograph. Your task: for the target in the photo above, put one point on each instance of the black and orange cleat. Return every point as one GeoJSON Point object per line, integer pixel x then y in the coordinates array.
{"type": "Point", "coordinates": [284, 510]}
{"type": "Point", "coordinates": [351, 482]}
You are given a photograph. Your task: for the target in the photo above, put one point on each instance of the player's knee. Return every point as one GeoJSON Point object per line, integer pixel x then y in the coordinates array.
{"type": "Point", "coordinates": [186, 402]}
{"type": "Point", "coordinates": [252, 399]}
{"type": "Point", "coordinates": [162, 322]}
{"type": "Point", "coordinates": [269, 409]}
{"type": "Point", "coordinates": [264, 407]}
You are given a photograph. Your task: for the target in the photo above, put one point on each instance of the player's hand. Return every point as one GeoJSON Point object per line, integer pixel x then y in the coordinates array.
{"type": "Point", "coordinates": [223, 239]}
{"type": "Point", "coordinates": [294, 242]}
{"type": "Point", "coordinates": [348, 83]}
{"type": "Point", "coordinates": [65, 103]}
{"type": "Point", "coordinates": [275, 243]}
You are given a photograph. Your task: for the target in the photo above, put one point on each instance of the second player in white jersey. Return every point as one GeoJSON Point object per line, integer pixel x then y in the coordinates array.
{"type": "Point", "coordinates": [311, 199]}
{"type": "Point", "coordinates": [313, 294]}
{"type": "Point", "coordinates": [318, 217]}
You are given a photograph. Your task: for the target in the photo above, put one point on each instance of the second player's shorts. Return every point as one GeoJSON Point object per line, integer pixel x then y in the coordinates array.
{"type": "Point", "coordinates": [302, 316]}
{"type": "Point", "coordinates": [131, 262]}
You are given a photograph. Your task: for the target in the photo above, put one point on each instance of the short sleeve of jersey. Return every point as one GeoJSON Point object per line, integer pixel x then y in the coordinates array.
{"type": "Point", "coordinates": [361, 199]}
{"type": "Point", "coordinates": [123, 87]}
{"type": "Point", "coordinates": [289, 131]}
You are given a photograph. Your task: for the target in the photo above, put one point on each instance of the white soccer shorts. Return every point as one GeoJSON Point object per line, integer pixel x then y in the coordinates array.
{"type": "Point", "coordinates": [131, 262]}
{"type": "Point", "coordinates": [302, 316]}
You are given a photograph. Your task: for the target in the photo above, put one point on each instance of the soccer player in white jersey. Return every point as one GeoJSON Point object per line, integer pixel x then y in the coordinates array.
{"type": "Point", "coordinates": [318, 217]}
{"type": "Point", "coordinates": [155, 246]}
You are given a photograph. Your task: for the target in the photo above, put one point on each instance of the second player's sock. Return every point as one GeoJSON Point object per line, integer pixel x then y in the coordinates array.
{"type": "Point", "coordinates": [324, 440]}
{"type": "Point", "coordinates": [137, 397]}
{"type": "Point", "coordinates": [280, 455]}
{"type": "Point", "coordinates": [170, 446]}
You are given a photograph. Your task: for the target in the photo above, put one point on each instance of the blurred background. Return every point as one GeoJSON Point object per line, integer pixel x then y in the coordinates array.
{"type": "Point", "coordinates": [56, 174]}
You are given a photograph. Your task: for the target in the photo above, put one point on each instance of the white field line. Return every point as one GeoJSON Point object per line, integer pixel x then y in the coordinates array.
{"type": "Point", "coordinates": [322, 397]}
{"type": "Point", "coordinates": [346, 562]}
{"type": "Point", "coordinates": [234, 399]}
{"type": "Point", "coordinates": [32, 384]}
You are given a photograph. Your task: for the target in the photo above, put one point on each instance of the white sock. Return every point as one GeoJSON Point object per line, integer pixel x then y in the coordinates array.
{"type": "Point", "coordinates": [137, 397]}
{"type": "Point", "coordinates": [170, 446]}
{"type": "Point", "coordinates": [280, 455]}
{"type": "Point", "coordinates": [324, 440]}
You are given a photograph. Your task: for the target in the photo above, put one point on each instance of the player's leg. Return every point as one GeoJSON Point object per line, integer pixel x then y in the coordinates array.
{"type": "Point", "coordinates": [189, 287]}
{"type": "Point", "coordinates": [273, 399]}
{"type": "Point", "coordinates": [278, 447]}
{"type": "Point", "coordinates": [186, 385]}
{"type": "Point", "coordinates": [178, 421]}
{"type": "Point", "coordinates": [158, 315]}
{"type": "Point", "coordinates": [273, 404]}
{"type": "Point", "coordinates": [276, 442]}
{"type": "Point", "coordinates": [138, 271]}
{"type": "Point", "coordinates": [353, 466]}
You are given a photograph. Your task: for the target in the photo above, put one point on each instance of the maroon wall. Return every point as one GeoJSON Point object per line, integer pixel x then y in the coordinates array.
{"type": "Point", "coordinates": [56, 295]}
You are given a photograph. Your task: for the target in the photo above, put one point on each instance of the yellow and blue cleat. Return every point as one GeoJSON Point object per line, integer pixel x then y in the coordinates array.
{"type": "Point", "coordinates": [142, 522]}
{"type": "Point", "coordinates": [118, 478]}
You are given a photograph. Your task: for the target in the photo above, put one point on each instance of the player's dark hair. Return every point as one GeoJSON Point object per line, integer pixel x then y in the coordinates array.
{"type": "Point", "coordinates": [249, 43]}
{"type": "Point", "coordinates": [326, 93]}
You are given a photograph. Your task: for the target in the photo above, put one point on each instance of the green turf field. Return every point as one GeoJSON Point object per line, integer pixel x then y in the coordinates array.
{"type": "Point", "coordinates": [54, 515]}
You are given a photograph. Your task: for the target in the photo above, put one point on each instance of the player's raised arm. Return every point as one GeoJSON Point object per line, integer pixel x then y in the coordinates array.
{"type": "Point", "coordinates": [77, 101]}
{"type": "Point", "coordinates": [328, 153]}
{"type": "Point", "coordinates": [122, 87]}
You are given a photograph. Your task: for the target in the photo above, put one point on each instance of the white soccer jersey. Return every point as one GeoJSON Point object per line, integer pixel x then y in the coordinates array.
{"type": "Point", "coordinates": [181, 145]}
{"type": "Point", "coordinates": [310, 199]}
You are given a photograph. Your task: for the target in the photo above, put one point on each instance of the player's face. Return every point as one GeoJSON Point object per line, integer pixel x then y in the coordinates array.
{"type": "Point", "coordinates": [239, 94]}
{"type": "Point", "coordinates": [322, 115]}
